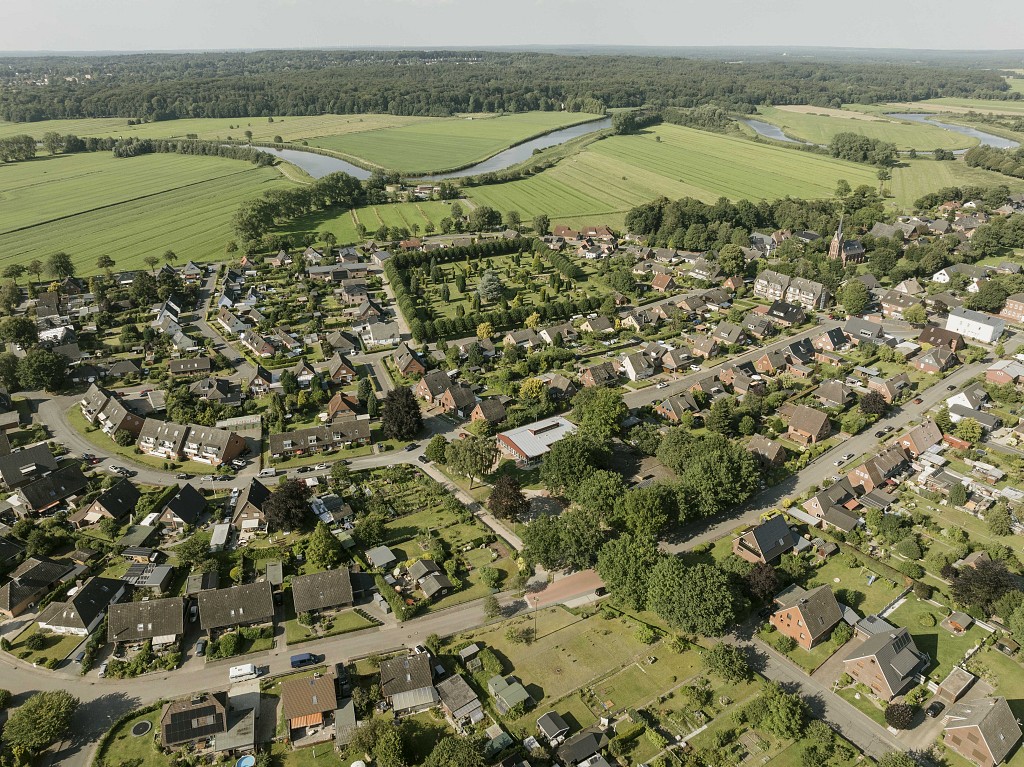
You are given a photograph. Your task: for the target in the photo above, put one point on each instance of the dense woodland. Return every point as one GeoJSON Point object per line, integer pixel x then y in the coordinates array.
{"type": "Point", "coordinates": [169, 86]}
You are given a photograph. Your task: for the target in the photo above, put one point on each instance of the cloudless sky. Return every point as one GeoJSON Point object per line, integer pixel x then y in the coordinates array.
{"type": "Point", "coordinates": [138, 25]}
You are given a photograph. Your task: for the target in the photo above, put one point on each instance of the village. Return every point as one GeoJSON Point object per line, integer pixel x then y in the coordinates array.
{"type": "Point", "coordinates": [257, 480]}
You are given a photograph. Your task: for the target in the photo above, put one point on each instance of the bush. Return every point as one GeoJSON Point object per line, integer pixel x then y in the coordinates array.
{"type": "Point", "coordinates": [645, 634]}
{"type": "Point", "coordinates": [5, 699]}
{"type": "Point", "coordinates": [786, 644]}
{"type": "Point", "coordinates": [36, 642]}
{"type": "Point", "coordinates": [899, 715]}
{"type": "Point", "coordinates": [922, 590]}
{"type": "Point", "coordinates": [927, 620]}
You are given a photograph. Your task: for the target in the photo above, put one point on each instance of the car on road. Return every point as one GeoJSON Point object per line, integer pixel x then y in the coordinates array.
{"type": "Point", "coordinates": [695, 368]}
{"type": "Point", "coordinates": [838, 462]}
{"type": "Point", "coordinates": [303, 469]}
{"type": "Point", "coordinates": [305, 659]}
{"type": "Point", "coordinates": [422, 459]}
{"type": "Point", "coordinates": [847, 457]}
{"type": "Point", "coordinates": [951, 387]}
{"type": "Point", "coordinates": [934, 709]}
{"type": "Point", "coordinates": [103, 670]}
{"type": "Point", "coordinates": [200, 648]}
{"type": "Point", "coordinates": [320, 467]}
{"type": "Point", "coordinates": [888, 429]}
{"type": "Point", "coordinates": [411, 446]}
{"type": "Point", "coordinates": [206, 478]}
{"type": "Point", "coordinates": [917, 400]}
{"type": "Point", "coordinates": [183, 475]}
{"type": "Point", "coordinates": [238, 464]}
{"type": "Point", "coordinates": [879, 434]}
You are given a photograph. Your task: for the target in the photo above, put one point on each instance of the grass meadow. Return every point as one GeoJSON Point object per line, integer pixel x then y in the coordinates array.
{"type": "Point", "coordinates": [94, 204]}
{"type": "Point", "coordinates": [922, 176]}
{"type": "Point", "coordinates": [440, 144]}
{"type": "Point", "coordinates": [820, 127]}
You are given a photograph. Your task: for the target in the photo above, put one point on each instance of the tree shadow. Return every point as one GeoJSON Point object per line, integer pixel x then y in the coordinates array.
{"type": "Point", "coordinates": [91, 719]}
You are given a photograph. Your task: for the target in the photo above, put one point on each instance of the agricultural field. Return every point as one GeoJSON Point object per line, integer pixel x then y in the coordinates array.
{"type": "Point", "coordinates": [918, 177]}
{"type": "Point", "coordinates": [614, 174]}
{"type": "Point", "coordinates": [344, 225]}
{"type": "Point", "coordinates": [263, 128]}
{"type": "Point", "coordinates": [985, 106]}
{"type": "Point", "coordinates": [94, 204]}
{"type": "Point", "coordinates": [434, 144]}
{"type": "Point", "coordinates": [818, 126]}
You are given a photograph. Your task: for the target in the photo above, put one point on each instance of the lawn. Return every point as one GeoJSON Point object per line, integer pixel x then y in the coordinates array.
{"type": "Point", "coordinates": [865, 599]}
{"type": "Point", "coordinates": [808, 660]}
{"type": "Point", "coordinates": [819, 126]}
{"type": "Point", "coordinates": [945, 649]}
{"type": "Point", "coordinates": [142, 750]}
{"type": "Point", "coordinates": [343, 224]}
{"type": "Point", "coordinates": [864, 703]}
{"type": "Point", "coordinates": [918, 177]}
{"type": "Point", "coordinates": [612, 175]}
{"type": "Point", "coordinates": [442, 144]}
{"type": "Point", "coordinates": [58, 646]}
{"type": "Point", "coordinates": [343, 623]}
{"type": "Point", "coordinates": [94, 204]}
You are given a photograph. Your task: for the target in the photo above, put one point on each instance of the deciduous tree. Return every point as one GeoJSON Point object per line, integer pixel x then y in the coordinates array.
{"type": "Point", "coordinates": [625, 565]}
{"type": "Point", "coordinates": [401, 419]}
{"type": "Point", "coordinates": [323, 550]}
{"type": "Point", "coordinates": [287, 508]}
{"type": "Point", "coordinates": [60, 265]}
{"type": "Point", "coordinates": [507, 500]}
{"type": "Point", "coordinates": [696, 598]}
{"type": "Point", "coordinates": [599, 412]}
{"type": "Point", "coordinates": [40, 721]}
{"type": "Point", "coordinates": [728, 662]}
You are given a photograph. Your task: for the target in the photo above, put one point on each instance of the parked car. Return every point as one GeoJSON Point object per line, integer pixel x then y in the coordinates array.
{"type": "Point", "coordinates": [303, 469]}
{"type": "Point", "coordinates": [423, 459]}
{"type": "Point", "coordinates": [103, 670]}
{"type": "Point", "coordinates": [887, 429]}
{"type": "Point", "coordinates": [880, 433]}
{"type": "Point", "coordinates": [411, 446]}
{"type": "Point", "coordinates": [183, 475]}
{"type": "Point", "coordinates": [934, 709]}
{"type": "Point", "coordinates": [193, 612]}
{"type": "Point", "coordinates": [80, 656]}
{"type": "Point", "coordinates": [304, 659]}
{"type": "Point", "coordinates": [695, 368]}
{"type": "Point", "coordinates": [662, 385]}
{"type": "Point", "coordinates": [115, 469]}
{"type": "Point", "coordinates": [201, 648]}
{"type": "Point", "coordinates": [917, 400]}
{"type": "Point", "coordinates": [238, 464]}
{"type": "Point", "coordinates": [951, 387]}
{"type": "Point", "coordinates": [320, 467]}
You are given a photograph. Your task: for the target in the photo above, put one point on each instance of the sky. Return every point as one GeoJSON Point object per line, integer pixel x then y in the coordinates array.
{"type": "Point", "coordinates": [140, 25]}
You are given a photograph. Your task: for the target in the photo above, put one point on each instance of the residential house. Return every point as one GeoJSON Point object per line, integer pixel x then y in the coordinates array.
{"type": "Point", "coordinates": [117, 502]}
{"type": "Point", "coordinates": [983, 731]}
{"type": "Point", "coordinates": [1013, 309]}
{"type": "Point", "coordinates": [52, 490]}
{"type": "Point", "coordinates": [601, 374]}
{"type": "Point", "coordinates": [794, 290]}
{"type": "Point", "coordinates": [163, 439]}
{"type": "Point", "coordinates": [888, 663]}
{"type": "Point", "coordinates": [895, 302]}
{"type": "Point", "coordinates": [321, 592]}
{"type": "Point", "coordinates": [308, 703]}
{"type": "Point", "coordinates": [84, 608]}
{"type": "Point", "coordinates": [889, 388]}
{"type": "Point", "coordinates": [808, 425]}
{"type": "Point", "coordinates": [406, 361]}
{"type": "Point", "coordinates": [184, 509]}
{"type": "Point", "coordinates": [663, 283]}
{"type": "Point", "coordinates": [430, 579]}
{"type": "Point", "coordinates": [192, 366]}
{"type": "Point", "coordinates": [218, 390]}
{"type": "Point", "coordinates": [833, 393]}
{"type": "Point", "coordinates": [341, 405]}
{"type": "Point", "coordinates": [806, 616]}
{"type": "Point", "coordinates": [785, 314]}
{"type": "Point", "coordinates": [971, 397]}
{"type": "Point", "coordinates": [340, 433]}
{"type": "Point", "coordinates": [932, 335]}
{"type": "Point", "coordinates": [458, 400]}
{"type": "Point", "coordinates": [247, 604]}
{"type": "Point", "coordinates": [525, 338]}
{"type": "Point", "coordinates": [199, 718]}
{"type": "Point", "coordinates": [1004, 372]}
{"type": "Point", "coordinates": [379, 334]}
{"type": "Point", "coordinates": [582, 748]}
{"type": "Point", "coordinates": [458, 701]}
{"type": "Point", "coordinates": [26, 465]}
{"type": "Point", "coordinates": [257, 343]}
{"type": "Point", "coordinates": [529, 443]}
{"type": "Point", "coordinates": [769, 453]}
{"type": "Point", "coordinates": [728, 334]}
{"type": "Point", "coordinates": [432, 385]}
{"type": "Point", "coordinates": [161, 621]}
{"type": "Point", "coordinates": [407, 683]}
{"type": "Point", "coordinates": [757, 326]}
{"type": "Point", "coordinates": [116, 418]}
{"type": "Point", "coordinates": [859, 331]}
{"type": "Point", "coordinates": [877, 469]}
{"type": "Point", "coordinates": [597, 325]}
{"type": "Point", "coordinates": [637, 366]}
{"type": "Point", "coordinates": [706, 271]}
{"type": "Point", "coordinates": [490, 410]}
{"type": "Point", "coordinates": [705, 348]}
{"type": "Point", "coordinates": [936, 360]}
{"type": "Point", "coordinates": [208, 444]}
{"type": "Point", "coordinates": [977, 325]}
{"type": "Point", "coordinates": [920, 438]}
{"type": "Point", "coordinates": [93, 402]}
{"type": "Point", "coordinates": [564, 332]}
{"type": "Point", "coordinates": [673, 408]}
{"type": "Point", "coordinates": [765, 542]}
{"type": "Point", "coordinates": [552, 727]}
{"type": "Point", "coordinates": [986, 420]}
{"type": "Point", "coordinates": [831, 340]}
{"type": "Point", "coordinates": [248, 514]}
{"type": "Point", "coordinates": [30, 581]}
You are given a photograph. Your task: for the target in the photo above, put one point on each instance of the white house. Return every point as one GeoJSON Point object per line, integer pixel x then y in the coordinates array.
{"type": "Point", "coordinates": [977, 325]}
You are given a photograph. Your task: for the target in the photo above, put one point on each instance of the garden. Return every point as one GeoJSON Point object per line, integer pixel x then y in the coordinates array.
{"type": "Point", "coordinates": [922, 618]}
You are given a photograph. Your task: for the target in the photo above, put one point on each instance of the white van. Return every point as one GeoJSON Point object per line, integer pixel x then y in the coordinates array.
{"type": "Point", "coordinates": [242, 673]}
{"type": "Point", "coordinates": [271, 472]}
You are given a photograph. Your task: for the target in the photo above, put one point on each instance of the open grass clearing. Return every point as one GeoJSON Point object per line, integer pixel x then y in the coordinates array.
{"type": "Point", "coordinates": [919, 177]}
{"type": "Point", "coordinates": [851, 585]}
{"type": "Point", "coordinates": [945, 649]}
{"type": "Point", "coordinates": [441, 144]}
{"type": "Point", "coordinates": [94, 204]}
{"type": "Point", "coordinates": [612, 175]}
{"type": "Point", "coordinates": [954, 104]}
{"type": "Point", "coordinates": [819, 126]}
{"type": "Point", "coordinates": [863, 703]}
{"type": "Point", "coordinates": [142, 750]}
{"type": "Point", "coordinates": [57, 646]}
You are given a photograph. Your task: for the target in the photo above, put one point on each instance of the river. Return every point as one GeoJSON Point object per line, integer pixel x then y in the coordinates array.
{"type": "Point", "coordinates": [319, 165]}
{"type": "Point", "coordinates": [987, 139]}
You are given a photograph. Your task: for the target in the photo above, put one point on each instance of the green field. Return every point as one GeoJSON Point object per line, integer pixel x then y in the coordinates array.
{"type": "Point", "coordinates": [404, 214]}
{"type": "Point", "coordinates": [986, 106]}
{"type": "Point", "coordinates": [819, 128]}
{"type": "Point", "coordinates": [440, 144]}
{"type": "Point", "coordinates": [95, 204]}
{"type": "Point", "coordinates": [922, 176]}
{"type": "Point", "coordinates": [613, 175]}
{"type": "Point", "coordinates": [288, 128]}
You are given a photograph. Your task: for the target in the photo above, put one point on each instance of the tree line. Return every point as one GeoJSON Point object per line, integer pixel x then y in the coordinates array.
{"type": "Point", "coordinates": [1009, 162]}
{"type": "Point", "coordinates": [440, 83]}
{"type": "Point", "coordinates": [257, 217]}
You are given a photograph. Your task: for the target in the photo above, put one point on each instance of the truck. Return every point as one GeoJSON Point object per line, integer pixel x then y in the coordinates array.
{"type": "Point", "coordinates": [243, 673]}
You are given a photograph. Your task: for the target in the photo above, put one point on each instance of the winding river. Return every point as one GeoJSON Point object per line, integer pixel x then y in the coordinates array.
{"type": "Point", "coordinates": [768, 130]}
{"type": "Point", "coordinates": [319, 165]}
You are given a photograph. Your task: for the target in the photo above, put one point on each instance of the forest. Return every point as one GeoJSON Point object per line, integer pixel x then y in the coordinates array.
{"type": "Point", "coordinates": [440, 83]}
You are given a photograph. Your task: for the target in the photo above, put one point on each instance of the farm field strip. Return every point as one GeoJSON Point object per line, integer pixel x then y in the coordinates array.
{"type": "Point", "coordinates": [922, 176]}
{"type": "Point", "coordinates": [442, 143]}
{"type": "Point", "coordinates": [819, 128]}
{"type": "Point", "coordinates": [985, 106]}
{"type": "Point", "coordinates": [194, 222]}
{"type": "Point", "coordinates": [289, 128]}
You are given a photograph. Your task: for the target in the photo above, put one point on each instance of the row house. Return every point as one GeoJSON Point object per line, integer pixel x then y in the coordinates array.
{"type": "Point", "coordinates": [795, 290]}
{"type": "Point", "coordinates": [894, 303]}
{"type": "Point", "coordinates": [340, 434]}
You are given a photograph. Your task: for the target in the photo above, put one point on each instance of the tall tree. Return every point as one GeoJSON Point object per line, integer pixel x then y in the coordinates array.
{"type": "Point", "coordinates": [625, 565]}
{"type": "Point", "coordinates": [472, 457]}
{"type": "Point", "coordinates": [507, 500]}
{"type": "Point", "coordinates": [287, 508]}
{"type": "Point", "coordinates": [39, 722]}
{"type": "Point", "coordinates": [59, 265]}
{"type": "Point", "coordinates": [855, 297]}
{"type": "Point", "coordinates": [42, 369]}
{"type": "Point", "coordinates": [323, 550]}
{"type": "Point", "coordinates": [599, 412]}
{"type": "Point", "coordinates": [697, 598]}
{"type": "Point", "coordinates": [402, 419]}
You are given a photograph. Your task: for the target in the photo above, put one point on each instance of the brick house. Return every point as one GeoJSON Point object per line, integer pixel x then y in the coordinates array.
{"type": "Point", "coordinates": [807, 617]}
{"type": "Point", "coordinates": [888, 663]}
{"type": "Point", "coordinates": [983, 731]}
{"type": "Point", "coordinates": [808, 426]}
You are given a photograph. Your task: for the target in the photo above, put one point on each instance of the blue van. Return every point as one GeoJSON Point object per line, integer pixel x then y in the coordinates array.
{"type": "Point", "coordinates": [304, 659]}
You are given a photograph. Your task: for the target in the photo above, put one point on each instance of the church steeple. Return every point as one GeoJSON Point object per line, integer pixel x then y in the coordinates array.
{"type": "Point", "coordinates": [835, 249]}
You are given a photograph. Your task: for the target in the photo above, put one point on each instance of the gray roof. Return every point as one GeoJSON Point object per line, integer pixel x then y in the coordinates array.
{"type": "Point", "coordinates": [25, 465]}
{"type": "Point", "coordinates": [136, 621]}
{"type": "Point", "coordinates": [581, 746]}
{"type": "Point", "coordinates": [380, 556]}
{"type": "Point", "coordinates": [993, 717]}
{"type": "Point", "coordinates": [551, 724]}
{"type": "Point", "coordinates": [818, 606]}
{"type": "Point", "coordinates": [405, 673]}
{"type": "Point", "coordinates": [458, 696]}
{"type": "Point", "coordinates": [189, 366]}
{"type": "Point", "coordinates": [120, 500]}
{"type": "Point", "coordinates": [187, 504]}
{"type": "Point", "coordinates": [773, 537]}
{"type": "Point", "coordinates": [81, 609]}
{"type": "Point", "coordinates": [54, 487]}
{"type": "Point", "coordinates": [895, 653]}
{"type": "Point", "coordinates": [321, 591]}
{"type": "Point", "coordinates": [238, 605]}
